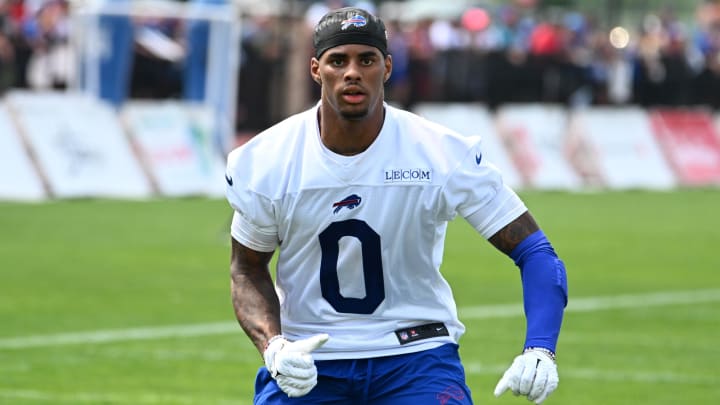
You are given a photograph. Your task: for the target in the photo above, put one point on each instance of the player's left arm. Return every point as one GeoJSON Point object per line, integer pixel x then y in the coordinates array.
{"type": "Point", "coordinates": [533, 373]}
{"type": "Point", "coordinates": [507, 238]}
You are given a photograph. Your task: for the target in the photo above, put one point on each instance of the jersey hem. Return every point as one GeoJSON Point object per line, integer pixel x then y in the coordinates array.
{"type": "Point", "coordinates": [381, 353]}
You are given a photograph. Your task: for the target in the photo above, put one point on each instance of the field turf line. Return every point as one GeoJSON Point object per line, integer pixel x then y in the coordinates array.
{"type": "Point", "coordinates": [586, 304]}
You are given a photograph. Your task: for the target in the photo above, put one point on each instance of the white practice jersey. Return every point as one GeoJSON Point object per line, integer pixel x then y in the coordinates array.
{"type": "Point", "coordinates": [361, 237]}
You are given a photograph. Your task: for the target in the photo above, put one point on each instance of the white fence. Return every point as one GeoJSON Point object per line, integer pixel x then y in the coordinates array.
{"type": "Point", "coordinates": [61, 145]}
{"type": "Point", "coordinates": [64, 145]}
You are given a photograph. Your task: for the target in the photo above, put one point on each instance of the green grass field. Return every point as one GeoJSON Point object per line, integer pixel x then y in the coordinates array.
{"type": "Point", "coordinates": [109, 302]}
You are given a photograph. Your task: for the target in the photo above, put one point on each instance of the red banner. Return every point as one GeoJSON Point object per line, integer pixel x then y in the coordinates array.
{"type": "Point", "coordinates": [690, 143]}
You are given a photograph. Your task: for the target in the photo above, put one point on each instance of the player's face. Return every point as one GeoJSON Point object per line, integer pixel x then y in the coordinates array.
{"type": "Point", "coordinates": [352, 78]}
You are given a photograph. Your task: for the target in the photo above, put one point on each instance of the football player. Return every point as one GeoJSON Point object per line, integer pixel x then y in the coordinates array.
{"type": "Point", "coordinates": [355, 195]}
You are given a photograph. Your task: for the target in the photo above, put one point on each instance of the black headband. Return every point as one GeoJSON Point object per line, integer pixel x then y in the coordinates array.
{"type": "Point", "coordinates": [349, 25]}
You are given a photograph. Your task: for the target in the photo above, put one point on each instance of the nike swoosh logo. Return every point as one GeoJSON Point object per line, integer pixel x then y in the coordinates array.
{"type": "Point", "coordinates": [229, 180]}
{"type": "Point", "coordinates": [478, 158]}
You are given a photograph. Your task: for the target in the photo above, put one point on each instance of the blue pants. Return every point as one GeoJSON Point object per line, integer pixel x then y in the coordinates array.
{"type": "Point", "coordinates": [429, 377]}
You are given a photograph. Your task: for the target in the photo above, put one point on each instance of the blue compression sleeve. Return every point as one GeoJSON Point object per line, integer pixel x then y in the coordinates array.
{"type": "Point", "coordinates": [544, 289]}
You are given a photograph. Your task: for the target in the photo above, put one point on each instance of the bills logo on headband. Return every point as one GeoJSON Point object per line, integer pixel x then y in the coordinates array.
{"type": "Point", "coordinates": [356, 21]}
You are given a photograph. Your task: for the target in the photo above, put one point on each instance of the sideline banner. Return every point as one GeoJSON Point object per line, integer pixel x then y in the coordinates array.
{"type": "Point", "coordinates": [474, 119]}
{"type": "Point", "coordinates": [615, 148]}
{"type": "Point", "coordinates": [691, 144]}
{"type": "Point", "coordinates": [19, 180]}
{"type": "Point", "coordinates": [175, 142]}
{"type": "Point", "coordinates": [536, 136]}
{"type": "Point", "coordinates": [79, 145]}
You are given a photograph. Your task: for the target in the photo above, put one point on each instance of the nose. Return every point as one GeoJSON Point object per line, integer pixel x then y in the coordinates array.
{"type": "Point", "coordinates": [352, 73]}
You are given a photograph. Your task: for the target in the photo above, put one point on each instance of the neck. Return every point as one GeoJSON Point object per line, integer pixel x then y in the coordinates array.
{"type": "Point", "coordinates": [346, 136]}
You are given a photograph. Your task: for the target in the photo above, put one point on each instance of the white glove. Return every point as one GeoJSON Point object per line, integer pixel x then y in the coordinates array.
{"type": "Point", "coordinates": [532, 373]}
{"type": "Point", "coordinates": [291, 364]}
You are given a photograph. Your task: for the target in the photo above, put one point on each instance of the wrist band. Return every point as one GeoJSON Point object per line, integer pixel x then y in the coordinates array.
{"type": "Point", "coordinates": [272, 339]}
{"type": "Point", "coordinates": [541, 349]}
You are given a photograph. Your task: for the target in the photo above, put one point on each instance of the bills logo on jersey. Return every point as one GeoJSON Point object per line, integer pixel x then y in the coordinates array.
{"type": "Point", "coordinates": [355, 21]}
{"type": "Point", "coordinates": [349, 202]}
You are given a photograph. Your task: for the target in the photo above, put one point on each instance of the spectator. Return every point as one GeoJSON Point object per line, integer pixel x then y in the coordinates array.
{"type": "Point", "coordinates": [706, 87]}
{"type": "Point", "coordinates": [157, 59]}
{"type": "Point", "coordinates": [262, 60]}
{"type": "Point", "coordinates": [421, 58]}
{"type": "Point", "coordinates": [7, 53]}
{"type": "Point", "coordinates": [51, 58]}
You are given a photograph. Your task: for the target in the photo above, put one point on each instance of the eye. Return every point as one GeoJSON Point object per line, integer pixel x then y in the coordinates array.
{"type": "Point", "coordinates": [337, 62]}
{"type": "Point", "coordinates": [367, 61]}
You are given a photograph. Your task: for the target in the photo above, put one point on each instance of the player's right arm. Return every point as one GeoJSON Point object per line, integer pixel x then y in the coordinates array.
{"type": "Point", "coordinates": [257, 309]}
{"type": "Point", "coordinates": [254, 299]}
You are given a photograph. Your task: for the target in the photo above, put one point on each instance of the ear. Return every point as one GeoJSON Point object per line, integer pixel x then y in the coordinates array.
{"type": "Point", "coordinates": [315, 70]}
{"type": "Point", "coordinates": [388, 67]}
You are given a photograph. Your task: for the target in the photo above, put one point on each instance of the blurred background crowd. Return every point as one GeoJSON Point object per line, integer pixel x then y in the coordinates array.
{"type": "Point", "coordinates": [574, 53]}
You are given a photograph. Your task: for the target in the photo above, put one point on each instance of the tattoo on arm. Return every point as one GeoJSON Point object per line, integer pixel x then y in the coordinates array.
{"type": "Point", "coordinates": [507, 238]}
{"type": "Point", "coordinates": [254, 299]}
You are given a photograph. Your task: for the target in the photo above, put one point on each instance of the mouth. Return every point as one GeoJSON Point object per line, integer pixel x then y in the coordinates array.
{"type": "Point", "coordinates": [353, 95]}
